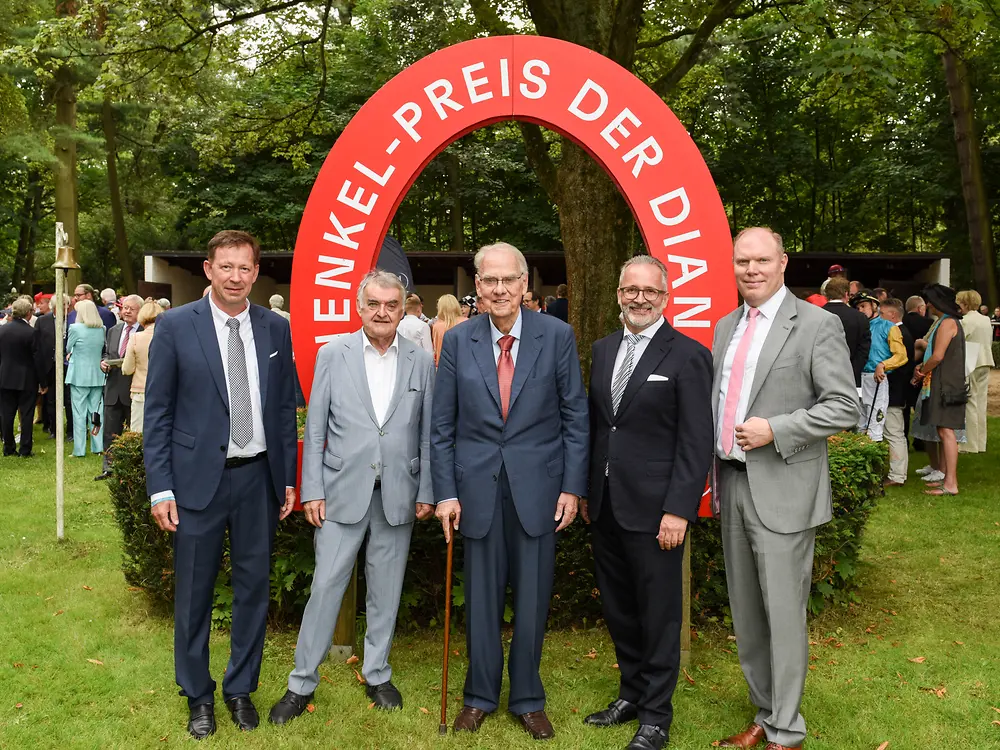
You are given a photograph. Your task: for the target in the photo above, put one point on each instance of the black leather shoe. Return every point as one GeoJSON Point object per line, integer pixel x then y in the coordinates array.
{"type": "Point", "coordinates": [290, 706]}
{"type": "Point", "coordinates": [648, 737]}
{"type": "Point", "coordinates": [102, 476]}
{"type": "Point", "coordinates": [385, 696]}
{"type": "Point", "coordinates": [202, 721]}
{"type": "Point", "coordinates": [243, 712]}
{"type": "Point", "coordinates": [617, 712]}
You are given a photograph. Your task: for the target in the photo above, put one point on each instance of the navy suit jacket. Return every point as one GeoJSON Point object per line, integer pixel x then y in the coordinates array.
{"type": "Point", "coordinates": [186, 416]}
{"type": "Point", "coordinates": [545, 442]}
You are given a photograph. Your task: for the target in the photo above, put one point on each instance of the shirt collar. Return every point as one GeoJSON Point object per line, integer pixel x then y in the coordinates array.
{"type": "Point", "coordinates": [770, 308]}
{"type": "Point", "coordinates": [221, 317]}
{"type": "Point", "coordinates": [369, 345]}
{"type": "Point", "coordinates": [515, 330]}
{"type": "Point", "coordinates": [651, 331]}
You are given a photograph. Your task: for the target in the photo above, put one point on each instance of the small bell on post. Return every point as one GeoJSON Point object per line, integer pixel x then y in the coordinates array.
{"type": "Point", "coordinates": [66, 258]}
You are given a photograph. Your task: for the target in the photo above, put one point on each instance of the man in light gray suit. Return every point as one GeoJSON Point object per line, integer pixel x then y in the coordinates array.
{"type": "Point", "coordinates": [365, 473]}
{"type": "Point", "coordinates": [783, 384]}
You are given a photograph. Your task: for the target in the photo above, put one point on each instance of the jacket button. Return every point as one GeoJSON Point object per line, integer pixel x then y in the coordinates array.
{"type": "Point", "coordinates": [222, 448]}
{"type": "Point", "coordinates": [494, 477]}
{"type": "Point", "coordinates": [381, 433]}
{"type": "Point", "coordinates": [614, 429]}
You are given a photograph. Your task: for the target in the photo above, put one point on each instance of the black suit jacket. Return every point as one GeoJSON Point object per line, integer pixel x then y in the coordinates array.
{"type": "Point", "coordinates": [117, 387]}
{"type": "Point", "coordinates": [45, 355]}
{"type": "Point", "coordinates": [858, 333]}
{"type": "Point", "coordinates": [658, 447]}
{"type": "Point", "coordinates": [917, 324]}
{"type": "Point", "coordinates": [899, 380]}
{"type": "Point", "coordinates": [18, 369]}
{"type": "Point", "coordinates": [559, 309]}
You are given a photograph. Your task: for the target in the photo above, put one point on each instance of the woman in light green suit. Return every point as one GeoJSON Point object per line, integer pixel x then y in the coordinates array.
{"type": "Point", "coordinates": [84, 346]}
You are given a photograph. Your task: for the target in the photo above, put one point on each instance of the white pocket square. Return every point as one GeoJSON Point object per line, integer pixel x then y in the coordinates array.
{"type": "Point", "coordinates": [657, 379]}
{"type": "Point", "coordinates": [273, 354]}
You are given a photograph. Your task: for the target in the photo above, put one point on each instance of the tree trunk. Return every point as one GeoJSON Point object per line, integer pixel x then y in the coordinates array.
{"type": "Point", "coordinates": [64, 94]}
{"type": "Point", "coordinates": [970, 163]}
{"type": "Point", "coordinates": [455, 215]}
{"type": "Point", "coordinates": [117, 215]}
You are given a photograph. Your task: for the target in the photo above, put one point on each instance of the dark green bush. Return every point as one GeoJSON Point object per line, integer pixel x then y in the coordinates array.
{"type": "Point", "coordinates": [857, 468]}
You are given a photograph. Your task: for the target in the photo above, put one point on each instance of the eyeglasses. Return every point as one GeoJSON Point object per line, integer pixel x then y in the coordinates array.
{"type": "Point", "coordinates": [79, 296]}
{"type": "Point", "coordinates": [374, 306]}
{"type": "Point", "coordinates": [491, 282]}
{"type": "Point", "coordinates": [632, 292]}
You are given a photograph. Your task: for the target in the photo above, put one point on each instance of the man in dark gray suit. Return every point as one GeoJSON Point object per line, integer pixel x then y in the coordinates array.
{"type": "Point", "coordinates": [365, 475]}
{"type": "Point", "coordinates": [509, 445]}
{"type": "Point", "coordinates": [783, 384]}
{"type": "Point", "coordinates": [117, 387]}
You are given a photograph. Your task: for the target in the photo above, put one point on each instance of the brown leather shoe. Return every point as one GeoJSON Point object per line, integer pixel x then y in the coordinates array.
{"type": "Point", "coordinates": [469, 719]}
{"type": "Point", "coordinates": [752, 736]}
{"type": "Point", "coordinates": [776, 746]}
{"type": "Point", "coordinates": [537, 724]}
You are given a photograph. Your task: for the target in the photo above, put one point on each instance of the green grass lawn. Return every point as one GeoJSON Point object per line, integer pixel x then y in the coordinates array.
{"type": "Point", "coordinates": [86, 663]}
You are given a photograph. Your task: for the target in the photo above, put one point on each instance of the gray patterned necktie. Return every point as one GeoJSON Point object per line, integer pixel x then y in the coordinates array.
{"type": "Point", "coordinates": [240, 410]}
{"type": "Point", "coordinates": [625, 371]}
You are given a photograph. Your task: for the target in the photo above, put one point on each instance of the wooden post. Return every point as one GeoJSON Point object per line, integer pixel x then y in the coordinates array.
{"type": "Point", "coordinates": [686, 596]}
{"type": "Point", "coordinates": [345, 632]}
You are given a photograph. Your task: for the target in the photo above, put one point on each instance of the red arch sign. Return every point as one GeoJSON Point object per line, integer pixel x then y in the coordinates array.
{"type": "Point", "coordinates": [582, 95]}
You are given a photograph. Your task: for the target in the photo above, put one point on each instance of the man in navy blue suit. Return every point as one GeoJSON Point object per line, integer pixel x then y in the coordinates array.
{"type": "Point", "coordinates": [220, 452]}
{"type": "Point", "coordinates": [509, 445]}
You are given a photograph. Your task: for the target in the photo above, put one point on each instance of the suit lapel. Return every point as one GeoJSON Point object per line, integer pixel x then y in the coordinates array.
{"type": "Point", "coordinates": [482, 350]}
{"type": "Point", "coordinates": [527, 352]}
{"type": "Point", "coordinates": [658, 348]}
{"type": "Point", "coordinates": [727, 326]}
{"type": "Point", "coordinates": [354, 355]}
{"type": "Point", "coordinates": [204, 326]}
{"type": "Point", "coordinates": [262, 343]}
{"type": "Point", "coordinates": [404, 366]}
{"type": "Point", "coordinates": [776, 337]}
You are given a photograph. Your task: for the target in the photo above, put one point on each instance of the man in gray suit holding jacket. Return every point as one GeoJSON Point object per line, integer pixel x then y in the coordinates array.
{"type": "Point", "coordinates": [365, 473]}
{"type": "Point", "coordinates": [783, 384]}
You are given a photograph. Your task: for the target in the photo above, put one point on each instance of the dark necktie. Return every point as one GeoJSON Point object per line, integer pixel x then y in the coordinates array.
{"type": "Point", "coordinates": [505, 373]}
{"type": "Point", "coordinates": [240, 410]}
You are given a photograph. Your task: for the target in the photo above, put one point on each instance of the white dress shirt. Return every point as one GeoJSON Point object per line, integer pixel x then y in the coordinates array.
{"type": "Point", "coordinates": [257, 443]}
{"type": "Point", "coordinates": [645, 336]}
{"type": "Point", "coordinates": [767, 313]}
{"type": "Point", "coordinates": [515, 331]}
{"type": "Point", "coordinates": [413, 328]}
{"type": "Point", "coordinates": [380, 370]}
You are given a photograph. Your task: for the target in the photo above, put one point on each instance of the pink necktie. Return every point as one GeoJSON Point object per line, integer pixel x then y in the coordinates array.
{"type": "Point", "coordinates": [736, 383]}
{"type": "Point", "coordinates": [505, 373]}
{"type": "Point", "coordinates": [124, 342]}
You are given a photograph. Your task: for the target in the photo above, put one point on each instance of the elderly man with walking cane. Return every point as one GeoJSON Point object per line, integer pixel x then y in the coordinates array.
{"type": "Point", "coordinates": [365, 474]}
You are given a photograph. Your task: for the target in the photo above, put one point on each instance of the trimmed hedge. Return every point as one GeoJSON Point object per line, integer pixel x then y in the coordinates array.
{"type": "Point", "coordinates": [857, 468]}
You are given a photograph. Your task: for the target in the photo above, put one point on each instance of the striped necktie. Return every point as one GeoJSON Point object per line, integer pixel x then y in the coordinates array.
{"type": "Point", "coordinates": [625, 371]}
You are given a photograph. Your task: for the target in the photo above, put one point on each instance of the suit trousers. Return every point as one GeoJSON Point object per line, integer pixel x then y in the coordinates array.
{"type": "Point", "coordinates": [506, 554]}
{"type": "Point", "coordinates": [13, 402]}
{"type": "Point", "coordinates": [336, 546]}
{"type": "Point", "coordinates": [975, 411]}
{"type": "Point", "coordinates": [244, 504]}
{"type": "Point", "coordinates": [86, 402]}
{"type": "Point", "coordinates": [641, 587]}
{"type": "Point", "coordinates": [899, 451]}
{"type": "Point", "coordinates": [49, 406]}
{"type": "Point", "coordinates": [115, 417]}
{"type": "Point", "coordinates": [769, 576]}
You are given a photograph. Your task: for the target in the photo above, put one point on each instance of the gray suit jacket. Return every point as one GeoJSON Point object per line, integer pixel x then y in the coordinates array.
{"type": "Point", "coordinates": [344, 445]}
{"type": "Point", "coordinates": [804, 387]}
{"type": "Point", "coordinates": [117, 386]}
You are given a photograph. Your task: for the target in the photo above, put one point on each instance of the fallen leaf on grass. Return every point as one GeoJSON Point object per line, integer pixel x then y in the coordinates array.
{"type": "Point", "coordinates": [918, 659]}
{"type": "Point", "coordinates": [135, 588]}
{"type": "Point", "coordinates": [18, 705]}
{"type": "Point", "coordinates": [883, 746]}
{"type": "Point", "coordinates": [163, 738]}
{"type": "Point", "coordinates": [360, 678]}
{"type": "Point", "coordinates": [455, 652]}
{"type": "Point", "coordinates": [353, 659]}
{"type": "Point", "coordinates": [592, 654]}
{"type": "Point", "coordinates": [56, 614]}
{"type": "Point", "coordinates": [938, 691]}
{"type": "Point", "coordinates": [324, 677]}
{"type": "Point", "coordinates": [98, 662]}
{"type": "Point", "coordinates": [87, 588]}
{"type": "Point", "coordinates": [995, 709]}
{"type": "Point", "coordinates": [18, 665]}
{"type": "Point", "coordinates": [959, 643]}
{"type": "Point", "coordinates": [687, 677]}
{"type": "Point", "coordinates": [993, 723]}
{"type": "Point", "coordinates": [310, 707]}
{"type": "Point", "coordinates": [371, 705]}
{"type": "Point", "coordinates": [615, 665]}
{"type": "Point", "coordinates": [574, 710]}
{"type": "Point", "coordinates": [424, 710]}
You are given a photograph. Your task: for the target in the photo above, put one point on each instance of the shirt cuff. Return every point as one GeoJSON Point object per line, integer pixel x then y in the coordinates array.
{"type": "Point", "coordinates": [159, 497]}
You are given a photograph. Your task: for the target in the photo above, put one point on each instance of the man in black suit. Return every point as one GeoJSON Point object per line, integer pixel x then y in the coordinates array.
{"type": "Point", "coordinates": [915, 320]}
{"type": "Point", "coordinates": [45, 360]}
{"type": "Point", "coordinates": [18, 378]}
{"type": "Point", "coordinates": [651, 448]}
{"type": "Point", "coordinates": [856, 328]}
{"type": "Point", "coordinates": [117, 387]}
{"type": "Point", "coordinates": [219, 442]}
{"type": "Point", "coordinates": [560, 308]}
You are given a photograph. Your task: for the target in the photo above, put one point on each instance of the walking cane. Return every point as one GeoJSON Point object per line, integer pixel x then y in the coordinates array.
{"type": "Point", "coordinates": [443, 728]}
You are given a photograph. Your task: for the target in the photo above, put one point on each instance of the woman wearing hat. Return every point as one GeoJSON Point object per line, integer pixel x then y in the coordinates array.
{"type": "Point", "coordinates": [943, 392]}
